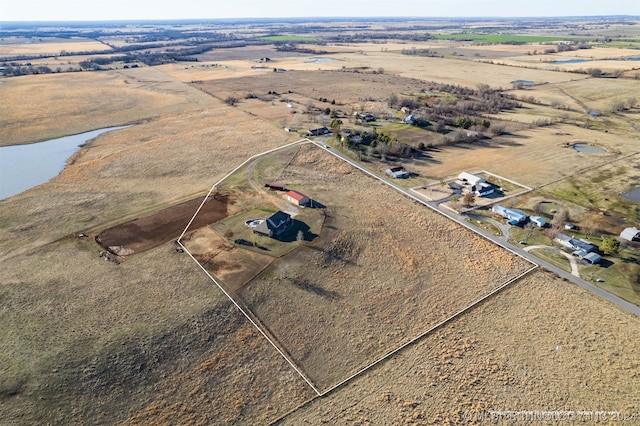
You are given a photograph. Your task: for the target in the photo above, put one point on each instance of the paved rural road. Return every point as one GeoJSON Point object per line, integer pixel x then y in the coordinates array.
{"type": "Point", "coordinates": [630, 307]}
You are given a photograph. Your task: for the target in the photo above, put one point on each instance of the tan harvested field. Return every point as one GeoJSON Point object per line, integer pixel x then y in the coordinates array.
{"type": "Point", "coordinates": [18, 46]}
{"type": "Point", "coordinates": [598, 94]}
{"type": "Point", "coordinates": [153, 341]}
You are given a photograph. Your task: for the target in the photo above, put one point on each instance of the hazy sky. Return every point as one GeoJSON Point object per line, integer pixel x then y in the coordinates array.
{"type": "Point", "coordinates": [62, 10]}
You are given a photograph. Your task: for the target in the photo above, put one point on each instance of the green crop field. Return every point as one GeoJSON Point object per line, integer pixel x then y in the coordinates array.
{"type": "Point", "coordinates": [502, 38]}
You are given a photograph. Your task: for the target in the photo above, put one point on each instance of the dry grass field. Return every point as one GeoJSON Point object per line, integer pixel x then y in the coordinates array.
{"type": "Point", "coordinates": [16, 46]}
{"type": "Point", "coordinates": [373, 279]}
{"type": "Point", "coordinates": [54, 105]}
{"type": "Point", "coordinates": [153, 341]}
{"type": "Point", "coordinates": [541, 344]}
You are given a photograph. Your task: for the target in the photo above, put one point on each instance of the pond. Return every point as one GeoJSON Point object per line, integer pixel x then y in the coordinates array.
{"type": "Point", "coordinates": [523, 82]}
{"type": "Point", "coordinates": [320, 59]}
{"type": "Point", "coordinates": [585, 148]}
{"type": "Point", "coordinates": [570, 61]}
{"type": "Point", "coordinates": [633, 195]}
{"type": "Point", "coordinates": [25, 166]}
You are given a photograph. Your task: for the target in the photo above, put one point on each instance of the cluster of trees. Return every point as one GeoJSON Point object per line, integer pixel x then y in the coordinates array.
{"type": "Point", "coordinates": [463, 108]}
{"type": "Point", "coordinates": [421, 52]}
{"type": "Point", "coordinates": [16, 70]}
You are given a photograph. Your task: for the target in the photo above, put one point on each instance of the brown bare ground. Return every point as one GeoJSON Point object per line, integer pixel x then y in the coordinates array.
{"type": "Point", "coordinates": [168, 224]}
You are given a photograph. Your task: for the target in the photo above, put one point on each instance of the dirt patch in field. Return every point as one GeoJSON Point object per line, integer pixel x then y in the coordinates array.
{"type": "Point", "coordinates": [150, 231]}
{"type": "Point", "coordinates": [230, 264]}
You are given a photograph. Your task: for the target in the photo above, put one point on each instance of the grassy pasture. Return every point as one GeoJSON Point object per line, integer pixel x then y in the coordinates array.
{"type": "Point", "coordinates": [484, 359]}
{"type": "Point", "coordinates": [76, 330]}
{"type": "Point", "coordinates": [55, 105]}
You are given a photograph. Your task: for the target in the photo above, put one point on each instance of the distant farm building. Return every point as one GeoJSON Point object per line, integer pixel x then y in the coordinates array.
{"type": "Point", "coordinates": [470, 178]}
{"type": "Point", "coordinates": [397, 172]}
{"type": "Point", "coordinates": [589, 257]}
{"type": "Point", "coordinates": [515, 217]}
{"type": "Point", "coordinates": [483, 189]}
{"type": "Point", "coordinates": [630, 234]}
{"type": "Point", "coordinates": [318, 132]}
{"type": "Point", "coordinates": [275, 224]}
{"type": "Point", "coordinates": [297, 198]}
{"type": "Point", "coordinates": [539, 221]}
{"type": "Point", "coordinates": [576, 244]}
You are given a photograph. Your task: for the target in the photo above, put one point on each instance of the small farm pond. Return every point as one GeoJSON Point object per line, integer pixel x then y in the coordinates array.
{"type": "Point", "coordinates": [25, 166]}
{"type": "Point", "coordinates": [585, 148]}
{"type": "Point", "coordinates": [523, 82]}
{"type": "Point", "coordinates": [320, 59]}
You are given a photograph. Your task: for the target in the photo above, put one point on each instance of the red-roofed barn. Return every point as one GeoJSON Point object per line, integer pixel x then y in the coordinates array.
{"type": "Point", "coordinates": [297, 198]}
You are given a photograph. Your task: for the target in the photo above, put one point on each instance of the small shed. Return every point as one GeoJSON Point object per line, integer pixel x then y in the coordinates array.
{"type": "Point", "coordinates": [297, 198]}
{"type": "Point", "coordinates": [630, 234]}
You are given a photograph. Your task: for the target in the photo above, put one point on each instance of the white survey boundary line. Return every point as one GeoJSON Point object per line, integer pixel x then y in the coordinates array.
{"type": "Point", "coordinates": [252, 321]}
{"type": "Point", "coordinates": [229, 174]}
{"type": "Point", "coordinates": [398, 189]}
{"type": "Point", "coordinates": [424, 333]}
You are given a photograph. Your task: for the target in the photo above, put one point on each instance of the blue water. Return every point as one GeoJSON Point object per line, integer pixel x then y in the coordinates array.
{"type": "Point", "coordinates": [25, 166]}
{"type": "Point", "coordinates": [579, 61]}
{"type": "Point", "coordinates": [570, 61]}
{"type": "Point", "coordinates": [588, 149]}
{"type": "Point", "coordinates": [319, 59]}
{"type": "Point", "coordinates": [523, 82]}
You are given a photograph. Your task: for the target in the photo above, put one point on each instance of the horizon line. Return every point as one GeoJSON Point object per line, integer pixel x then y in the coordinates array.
{"type": "Point", "coordinates": [302, 18]}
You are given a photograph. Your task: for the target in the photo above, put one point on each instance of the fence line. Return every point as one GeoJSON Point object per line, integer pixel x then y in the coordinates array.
{"type": "Point", "coordinates": [286, 358]}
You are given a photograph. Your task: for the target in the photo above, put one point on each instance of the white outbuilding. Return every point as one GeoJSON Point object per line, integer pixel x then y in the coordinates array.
{"type": "Point", "coordinates": [630, 234]}
{"type": "Point", "coordinates": [470, 178]}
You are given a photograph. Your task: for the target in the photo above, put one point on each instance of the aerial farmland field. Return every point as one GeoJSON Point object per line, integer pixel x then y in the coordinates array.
{"type": "Point", "coordinates": [343, 315]}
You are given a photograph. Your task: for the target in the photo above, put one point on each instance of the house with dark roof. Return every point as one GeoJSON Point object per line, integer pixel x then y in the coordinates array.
{"type": "Point", "coordinates": [318, 132]}
{"type": "Point", "coordinates": [482, 189]}
{"type": "Point", "coordinates": [398, 172]}
{"type": "Point", "coordinates": [274, 225]}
